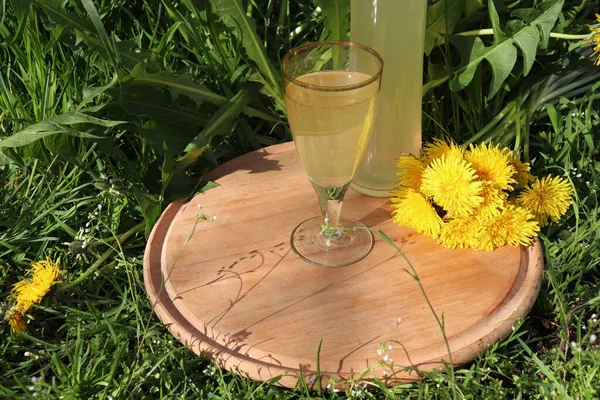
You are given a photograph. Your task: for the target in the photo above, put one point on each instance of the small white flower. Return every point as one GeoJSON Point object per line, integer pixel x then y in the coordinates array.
{"type": "Point", "coordinates": [578, 176]}
{"type": "Point", "coordinates": [328, 243]}
{"type": "Point", "coordinates": [385, 372]}
{"type": "Point", "coordinates": [594, 316]}
{"type": "Point", "coordinates": [574, 343]}
{"type": "Point", "coordinates": [593, 338]}
{"type": "Point", "coordinates": [399, 321]}
{"type": "Point", "coordinates": [100, 207]}
{"type": "Point", "coordinates": [326, 220]}
{"type": "Point", "coordinates": [438, 385]}
{"type": "Point", "coordinates": [553, 392]}
{"type": "Point", "coordinates": [27, 354]}
{"type": "Point", "coordinates": [513, 327]}
{"type": "Point", "coordinates": [386, 357]}
{"type": "Point", "coordinates": [379, 352]}
{"type": "Point", "coordinates": [389, 347]}
{"type": "Point", "coordinates": [214, 218]}
{"type": "Point", "coordinates": [30, 388]}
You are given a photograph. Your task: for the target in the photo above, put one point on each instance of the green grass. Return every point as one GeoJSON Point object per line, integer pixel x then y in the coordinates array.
{"type": "Point", "coordinates": [140, 70]}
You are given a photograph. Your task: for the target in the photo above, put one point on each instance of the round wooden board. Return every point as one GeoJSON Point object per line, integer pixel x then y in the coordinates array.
{"type": "Point", "coordinates": [234, 290]}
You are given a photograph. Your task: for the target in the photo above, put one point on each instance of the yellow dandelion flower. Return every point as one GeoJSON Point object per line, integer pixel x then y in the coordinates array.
{"type": "Point", "coordinates": [412, 170]}
{"type": "Point", "coordinates": [549, 197]}
{"type": "Point", "coordinates": [459, 232]}
{"type": "Point", "coordinates": [514, 226]}
{"type": "Point", "coordinates": [594, 38]}
{"type": "Point", "coordinates": [521, 175]}
{"type": "Point", "coordinates": [492, 165]}
{"type": "Point", "coordinates": [412, 209]}
{"type": "Point", "coordinates": [493, 202]}
{"type": "Point", "coordinates": [44, 274]}
{"type": "Point", "coordinates": [453, 185]}
{"type": "Point", "coordinates": [17, 321]}
{"type": "Point", "coordinates": [440, 147]}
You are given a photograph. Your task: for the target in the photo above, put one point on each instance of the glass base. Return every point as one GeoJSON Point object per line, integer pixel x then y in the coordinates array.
{"type": "Point", "coordinates": [333, 248]}
{"type": "Point", "coordinates": [373, 192]}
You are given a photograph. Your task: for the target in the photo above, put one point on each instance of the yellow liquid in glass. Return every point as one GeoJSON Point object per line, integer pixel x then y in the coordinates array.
{"type": "Point", "coordinates": [331, 129]}
{"type": "Point", "coordinates": [395, 29]}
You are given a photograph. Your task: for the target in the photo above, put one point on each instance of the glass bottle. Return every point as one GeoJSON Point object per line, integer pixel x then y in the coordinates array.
{"type": "Point", "coordinates": [396, 30]}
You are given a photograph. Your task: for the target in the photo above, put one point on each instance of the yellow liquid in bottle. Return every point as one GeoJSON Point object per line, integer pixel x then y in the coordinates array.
{"type": "Point", "coordinates": [395, 29]}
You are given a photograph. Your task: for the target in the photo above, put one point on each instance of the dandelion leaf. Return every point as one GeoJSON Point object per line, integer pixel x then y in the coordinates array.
{"type": "Point", "coordinates": [526, 34]}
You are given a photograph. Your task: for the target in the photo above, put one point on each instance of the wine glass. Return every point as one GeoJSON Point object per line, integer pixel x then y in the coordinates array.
{"type": "Point", "coordinates": [331, 96]}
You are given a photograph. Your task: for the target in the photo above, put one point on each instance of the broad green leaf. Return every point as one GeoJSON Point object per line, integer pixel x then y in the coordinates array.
{"type": "Point", "coordinates": [171, 166]}
{"type": "Point", "coordinates": [336, 14]}
{"type": "Point", "coordinates": [4, 159]}
{"type": "Point", "coordinates": [502, 54]}
{"type": "Point", "coordinates": [24, 154]}
{"type": "Point", "coordinates": [65, 145]}
{"type": "Point", "coordinates": [40, 130]}
{"type": "Point", "coordinates": [150, 207]}
{"type": "Point", "coordinates": [473, 6]}
{"type": "Point", "coordinates": [222, 121]}
{"type": "Point", "coordinates": [183, 84]}
{"type": "Point", "coordinates": [56, 12]}
{"type": "Point", "coordinates": [176, 84]}
{"type": "Point", "coordinates": [80, 117]}
{"type": "Point", "coordinates": [233, 15]}
{"type": "Point", "coordinates": [441, 20]}
{"type": "Point", "coordinates": [137, 105]}
{"type": "Point", "coordinates": [90, 93]}
{"type": "Point", "coordinates": [527, 40]}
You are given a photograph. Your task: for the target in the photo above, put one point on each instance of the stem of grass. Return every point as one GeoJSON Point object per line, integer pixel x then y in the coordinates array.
{"type": "Point", "coordinates": [415, 276]}
{"type": "Point", "coordinates": [102, 259]}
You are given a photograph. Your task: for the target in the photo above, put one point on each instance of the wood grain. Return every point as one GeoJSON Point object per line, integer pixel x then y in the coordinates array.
{"type": "Point", "coordinates": [234, 290]}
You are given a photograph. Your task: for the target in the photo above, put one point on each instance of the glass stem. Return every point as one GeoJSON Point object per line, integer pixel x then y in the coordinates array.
{"type": "Point", "coordinates": [331, 200]}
